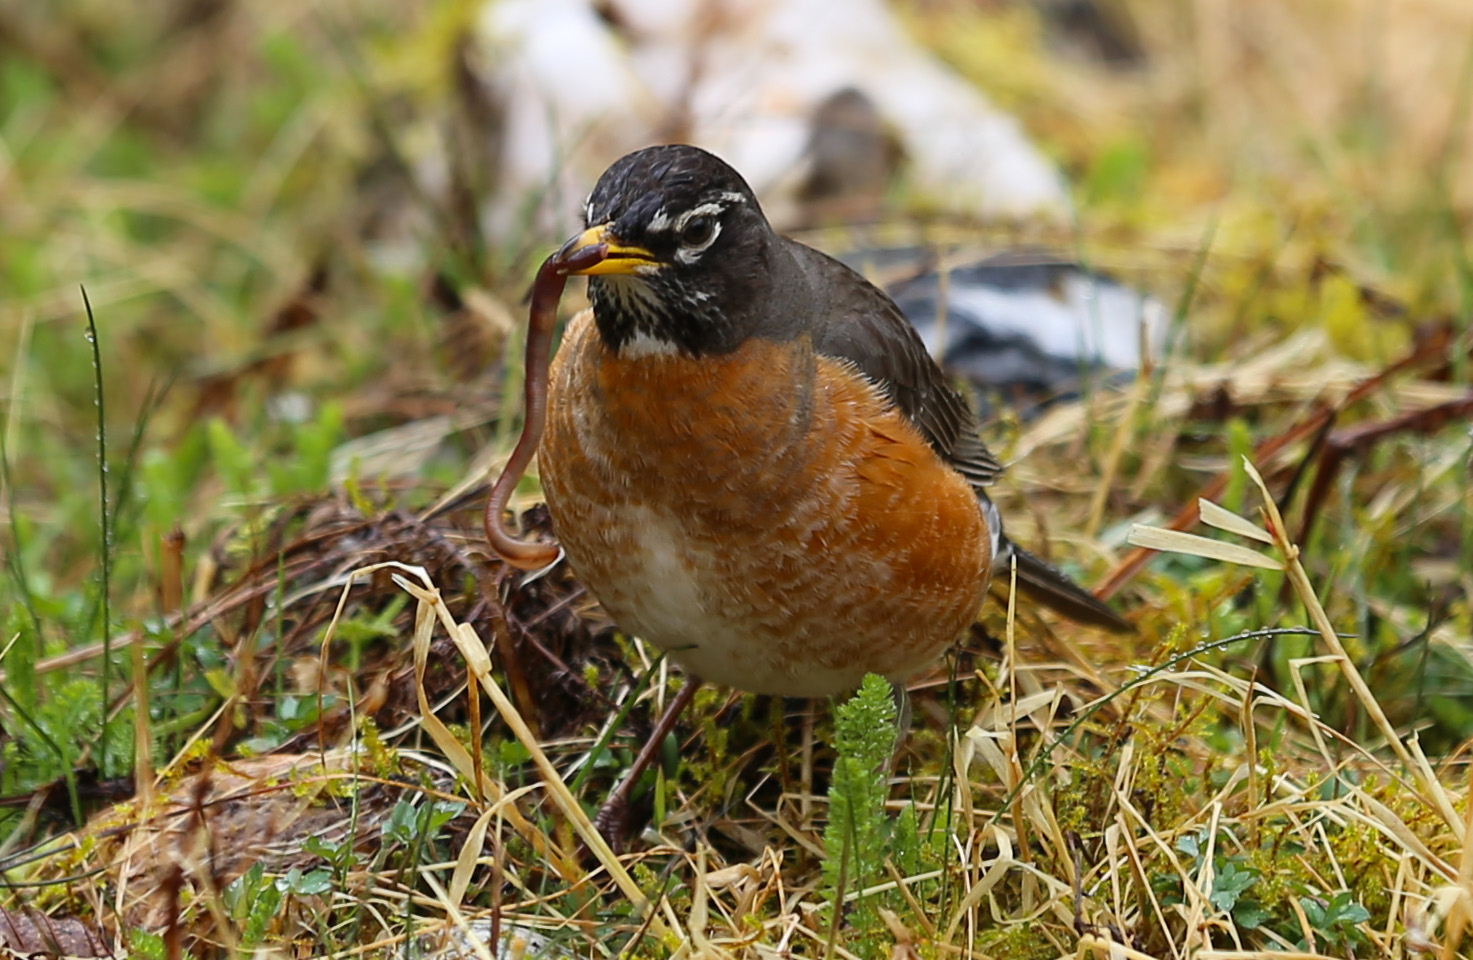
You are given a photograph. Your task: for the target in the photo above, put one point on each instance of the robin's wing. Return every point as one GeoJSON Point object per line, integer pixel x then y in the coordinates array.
{"type": "Point", "coordinates": [855, 321]}
{"type": "Point", "coordinates": [859, 323]}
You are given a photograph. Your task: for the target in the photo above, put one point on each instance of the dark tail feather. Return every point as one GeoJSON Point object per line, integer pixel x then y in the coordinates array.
{"type": "Point", "coordinates": [1048, 585]}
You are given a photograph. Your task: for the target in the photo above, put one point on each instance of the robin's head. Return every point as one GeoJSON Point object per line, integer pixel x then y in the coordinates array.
{"type": "Point", "coordinates": [687, 253]}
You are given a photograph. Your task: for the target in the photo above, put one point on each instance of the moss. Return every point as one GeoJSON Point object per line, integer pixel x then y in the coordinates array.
{"type": "Point", "coordinates": [1017, 941]}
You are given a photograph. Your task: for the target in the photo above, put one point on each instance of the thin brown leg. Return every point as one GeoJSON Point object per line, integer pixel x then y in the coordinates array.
{"type": "Point", "coordinates": [612, 818]}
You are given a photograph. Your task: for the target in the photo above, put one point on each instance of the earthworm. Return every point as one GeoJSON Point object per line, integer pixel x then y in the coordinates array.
{"type": "Point", "coordinates": [547, 290]}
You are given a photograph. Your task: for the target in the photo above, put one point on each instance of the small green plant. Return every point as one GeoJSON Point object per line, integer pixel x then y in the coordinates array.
{"type": "Point", "coordinates": [1233, 883]}
{"type": "Point", "coordinates": [1256, 900]}
{"type": "Point", "coordinates": [1334, 922]}
{"type": "Point", "coordinates": [411, 824]}
{"type": "Point", "coordinates": [857, 836]}
{"type": "Point", "coordinates": [253, 901]}
{"type": "Point", "coordinates": [313, 883]}
{"type": "Point", "coordinates": [342, 856]}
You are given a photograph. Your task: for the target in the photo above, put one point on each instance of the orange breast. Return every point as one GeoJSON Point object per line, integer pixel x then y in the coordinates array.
{"type": "Point", "coordinates": [765, 516]}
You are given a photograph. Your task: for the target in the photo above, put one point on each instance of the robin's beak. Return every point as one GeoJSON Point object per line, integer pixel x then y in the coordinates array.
{"type": "Point", "coordinates": [595, 252]}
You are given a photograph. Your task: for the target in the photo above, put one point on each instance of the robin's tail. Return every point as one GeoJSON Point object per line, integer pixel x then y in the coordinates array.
{"type": "Point", "coordinates": [1048, 585]}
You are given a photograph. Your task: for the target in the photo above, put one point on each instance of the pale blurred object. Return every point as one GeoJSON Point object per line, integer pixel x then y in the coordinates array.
{"type": "Point", "coordinates": [581, 82]}
{"type": "Point", "coordinates": [1029, 327]}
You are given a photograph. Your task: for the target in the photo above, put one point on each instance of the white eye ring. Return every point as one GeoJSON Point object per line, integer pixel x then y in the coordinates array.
{"type": "Point", "coordinates": [698, 232]}
{"type": "Point", "coordinates": [689, 254]}
{"type": "Point", "coordinates": [692, 246]}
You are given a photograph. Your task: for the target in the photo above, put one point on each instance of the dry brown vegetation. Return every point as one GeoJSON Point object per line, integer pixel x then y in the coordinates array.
{"type": "Point", "coordinates": [309, 354]}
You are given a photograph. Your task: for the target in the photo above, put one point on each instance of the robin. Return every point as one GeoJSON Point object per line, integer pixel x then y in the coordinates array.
{"type": "Point", "coordinates": [749, 456]}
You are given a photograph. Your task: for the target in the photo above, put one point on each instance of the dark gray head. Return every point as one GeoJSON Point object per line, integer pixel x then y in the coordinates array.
{"type": "Point", "coordinates": [690, 256]}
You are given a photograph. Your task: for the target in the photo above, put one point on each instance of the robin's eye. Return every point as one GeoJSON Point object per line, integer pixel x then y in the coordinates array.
{"type": "Point", "coordinates": [698, 232]}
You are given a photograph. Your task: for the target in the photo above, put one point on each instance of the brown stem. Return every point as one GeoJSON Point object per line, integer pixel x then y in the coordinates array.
{"type": "Point", "coordinates": [1433, 348]}
{"type": "Point", "coordinates": [552, 276]}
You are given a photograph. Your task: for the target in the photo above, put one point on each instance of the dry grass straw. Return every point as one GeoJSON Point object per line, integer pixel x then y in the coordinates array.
{"type": "Point", "coordinates": [1078, 778]}
{"type": "Point", "coordinates": [1074, 797]}
{"type": "Point", "coordinates": [1014, 847]}
{"type": "Point", "coordinates": [1436, 881]}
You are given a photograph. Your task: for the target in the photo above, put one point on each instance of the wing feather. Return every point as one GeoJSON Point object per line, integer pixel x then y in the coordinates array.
{"type": "Point", "coordinates": [859, 323]}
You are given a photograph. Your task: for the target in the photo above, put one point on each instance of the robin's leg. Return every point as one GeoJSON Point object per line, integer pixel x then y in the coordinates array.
{"type": "Point", "coordinates": [902, 725]}
{"type": "Point", "coordinates": [611, 819]}
{"type": "Point", "coordinates": [902, 710]}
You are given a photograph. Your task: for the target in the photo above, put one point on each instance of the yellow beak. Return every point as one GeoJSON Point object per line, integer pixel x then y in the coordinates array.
{"type": "Point", "coordinates": [617, 258]}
